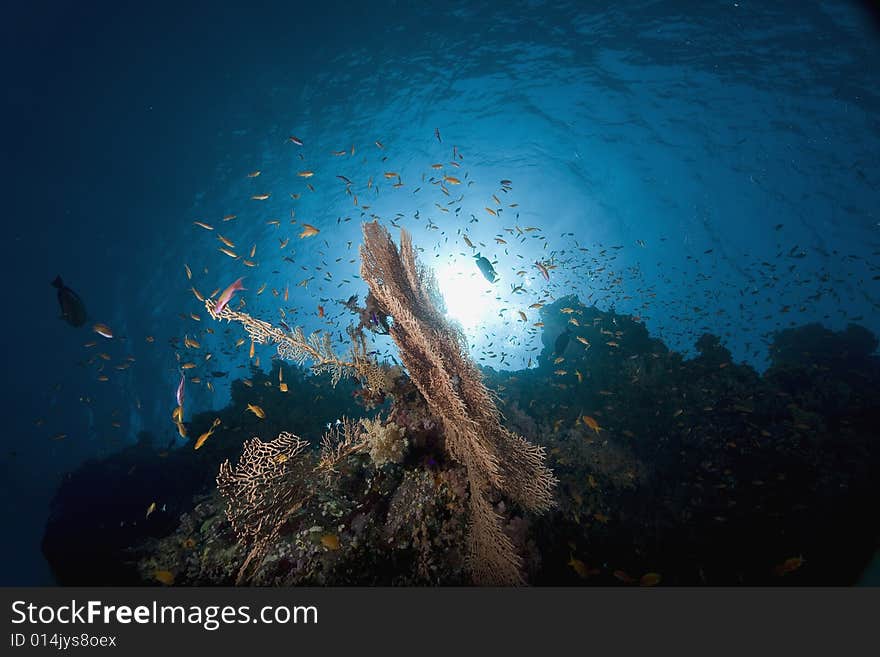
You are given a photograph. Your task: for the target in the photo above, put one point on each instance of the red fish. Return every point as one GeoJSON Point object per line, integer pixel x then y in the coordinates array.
{"type": "Point", "coordinates": [226, 297]}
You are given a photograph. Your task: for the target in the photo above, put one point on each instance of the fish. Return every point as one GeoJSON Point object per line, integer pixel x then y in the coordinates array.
{"type": "Point", "coordinates": [543, 269]}
{"type": "Point", "coordinates": [330, 541]}
{"type": "Point", "coordinates": [486, 268]}
{"type": "Point", "coordinates": [308, 231]}
{"type": "Point", "coordinates": [624, 577]}
{"type": "Point", "coordinates": [227, 295]}
{"type": "Point", "coordinates": [260, 197]}
{"type": "Point", "coordinates": [166, 577]}
{"type": "Point", "coordinates": [320, 311]}
{"type": "Point", "coordinates": [591, 422]}
{"type": "Point", "coordinates": [207, 434]}
{"type": "Point", "coordinates": [296, 140]}
{"type": "Point", "coordinates": [150, 509]}
{"type": "Point", "coordinates": [789, 565]}
{"type": "Point", "coordinates": [306, 174]}
{"type": "Point", "coordinates": [650, 579]}
{"type": "Point", "coordinates": [73, 310]}
{"type": "Point", "coordinates": [179, 395]}
{"type": "Point", "coordinates": [103, 330]}
{"type": "Point", "coordinates": [583, 341]}
{"type": "Point", "coordinates": [452, 180]}
{"type": "Point", "coordinates": [254, 174]}
{"type": "Point", "coordinates": [581, 568]}
{"type": "Point", "coordinates": [228, 242]}
{"type": "Point", "coordinates": [256, 410]}
{"type": "Point", "coordinates": [492, 212]}
{"type": "Point", "coordinates": [188, 271]}
{"type": "Point", "coordinates": [437, 134]}
{"type": "Point", "coordinates": [202, 224]}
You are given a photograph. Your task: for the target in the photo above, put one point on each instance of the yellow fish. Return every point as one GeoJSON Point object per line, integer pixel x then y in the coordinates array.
{"type": "Point", "coordinates": [256, 410]}
{"type": "Point", "coordinates": [150, 509]}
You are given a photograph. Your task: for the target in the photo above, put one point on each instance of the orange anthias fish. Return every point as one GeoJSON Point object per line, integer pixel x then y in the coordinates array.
{"type": "Point", "coordinates": [226, 297]}
{"type": "Point", "coordinates": [789, 566]}
{"type": "Point", "coordinates": [590, 422]}
{"type": "Point", "coordinates": [207, 434]}
{"type": "Point", "coordinates": [103, 330]}
{"type": "Point", "coordinates": [308, 231]}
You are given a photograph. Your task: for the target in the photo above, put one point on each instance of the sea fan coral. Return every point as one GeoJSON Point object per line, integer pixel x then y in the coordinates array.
{"type": "Point", "coordinates": [261, 491]}
{"type": "Point", "coordinates": [434, 355]}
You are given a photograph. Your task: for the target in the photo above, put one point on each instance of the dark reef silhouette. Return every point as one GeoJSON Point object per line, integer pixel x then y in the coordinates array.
{"type": "Point", "coordinates": [695, 471]}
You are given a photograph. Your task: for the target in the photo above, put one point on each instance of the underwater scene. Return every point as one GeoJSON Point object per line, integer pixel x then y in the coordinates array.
{"type": "Point", "coordinates": [480, 293]}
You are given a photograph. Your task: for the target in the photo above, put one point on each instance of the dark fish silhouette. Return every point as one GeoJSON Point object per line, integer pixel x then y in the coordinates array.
{"type": "Point", "coordinates": [487, 268]}
{"type": "Point", "coordinates": [562, 342]}
{"type": "Point", "coordinates": [73, 310]}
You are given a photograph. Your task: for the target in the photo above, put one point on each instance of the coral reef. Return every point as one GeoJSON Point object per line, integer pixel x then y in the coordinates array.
{"type": "Point", "coordinates": [700, 470]}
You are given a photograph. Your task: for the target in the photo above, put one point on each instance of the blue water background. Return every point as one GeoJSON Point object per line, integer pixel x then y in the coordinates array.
{"type": "Point", "coordinates": [688, 126]}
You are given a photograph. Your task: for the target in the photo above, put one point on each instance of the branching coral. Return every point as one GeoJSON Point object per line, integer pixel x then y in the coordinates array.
{"type": "Point", "coordinates": [262, 491]}
{"type": "Point", "coordinates": [434, 355]}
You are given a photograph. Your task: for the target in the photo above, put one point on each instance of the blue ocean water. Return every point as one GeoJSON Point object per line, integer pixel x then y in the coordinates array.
{"type": "Point", "coordinates": [708, 166]}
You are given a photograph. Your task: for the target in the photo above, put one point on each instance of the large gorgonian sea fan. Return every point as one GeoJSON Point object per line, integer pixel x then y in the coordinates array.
{"type": "Point", "coordinates": [435, 357]}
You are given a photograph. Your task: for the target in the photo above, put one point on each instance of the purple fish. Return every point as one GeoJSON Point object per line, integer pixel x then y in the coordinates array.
{"type": "Point", "coordinates": [180, 390]}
